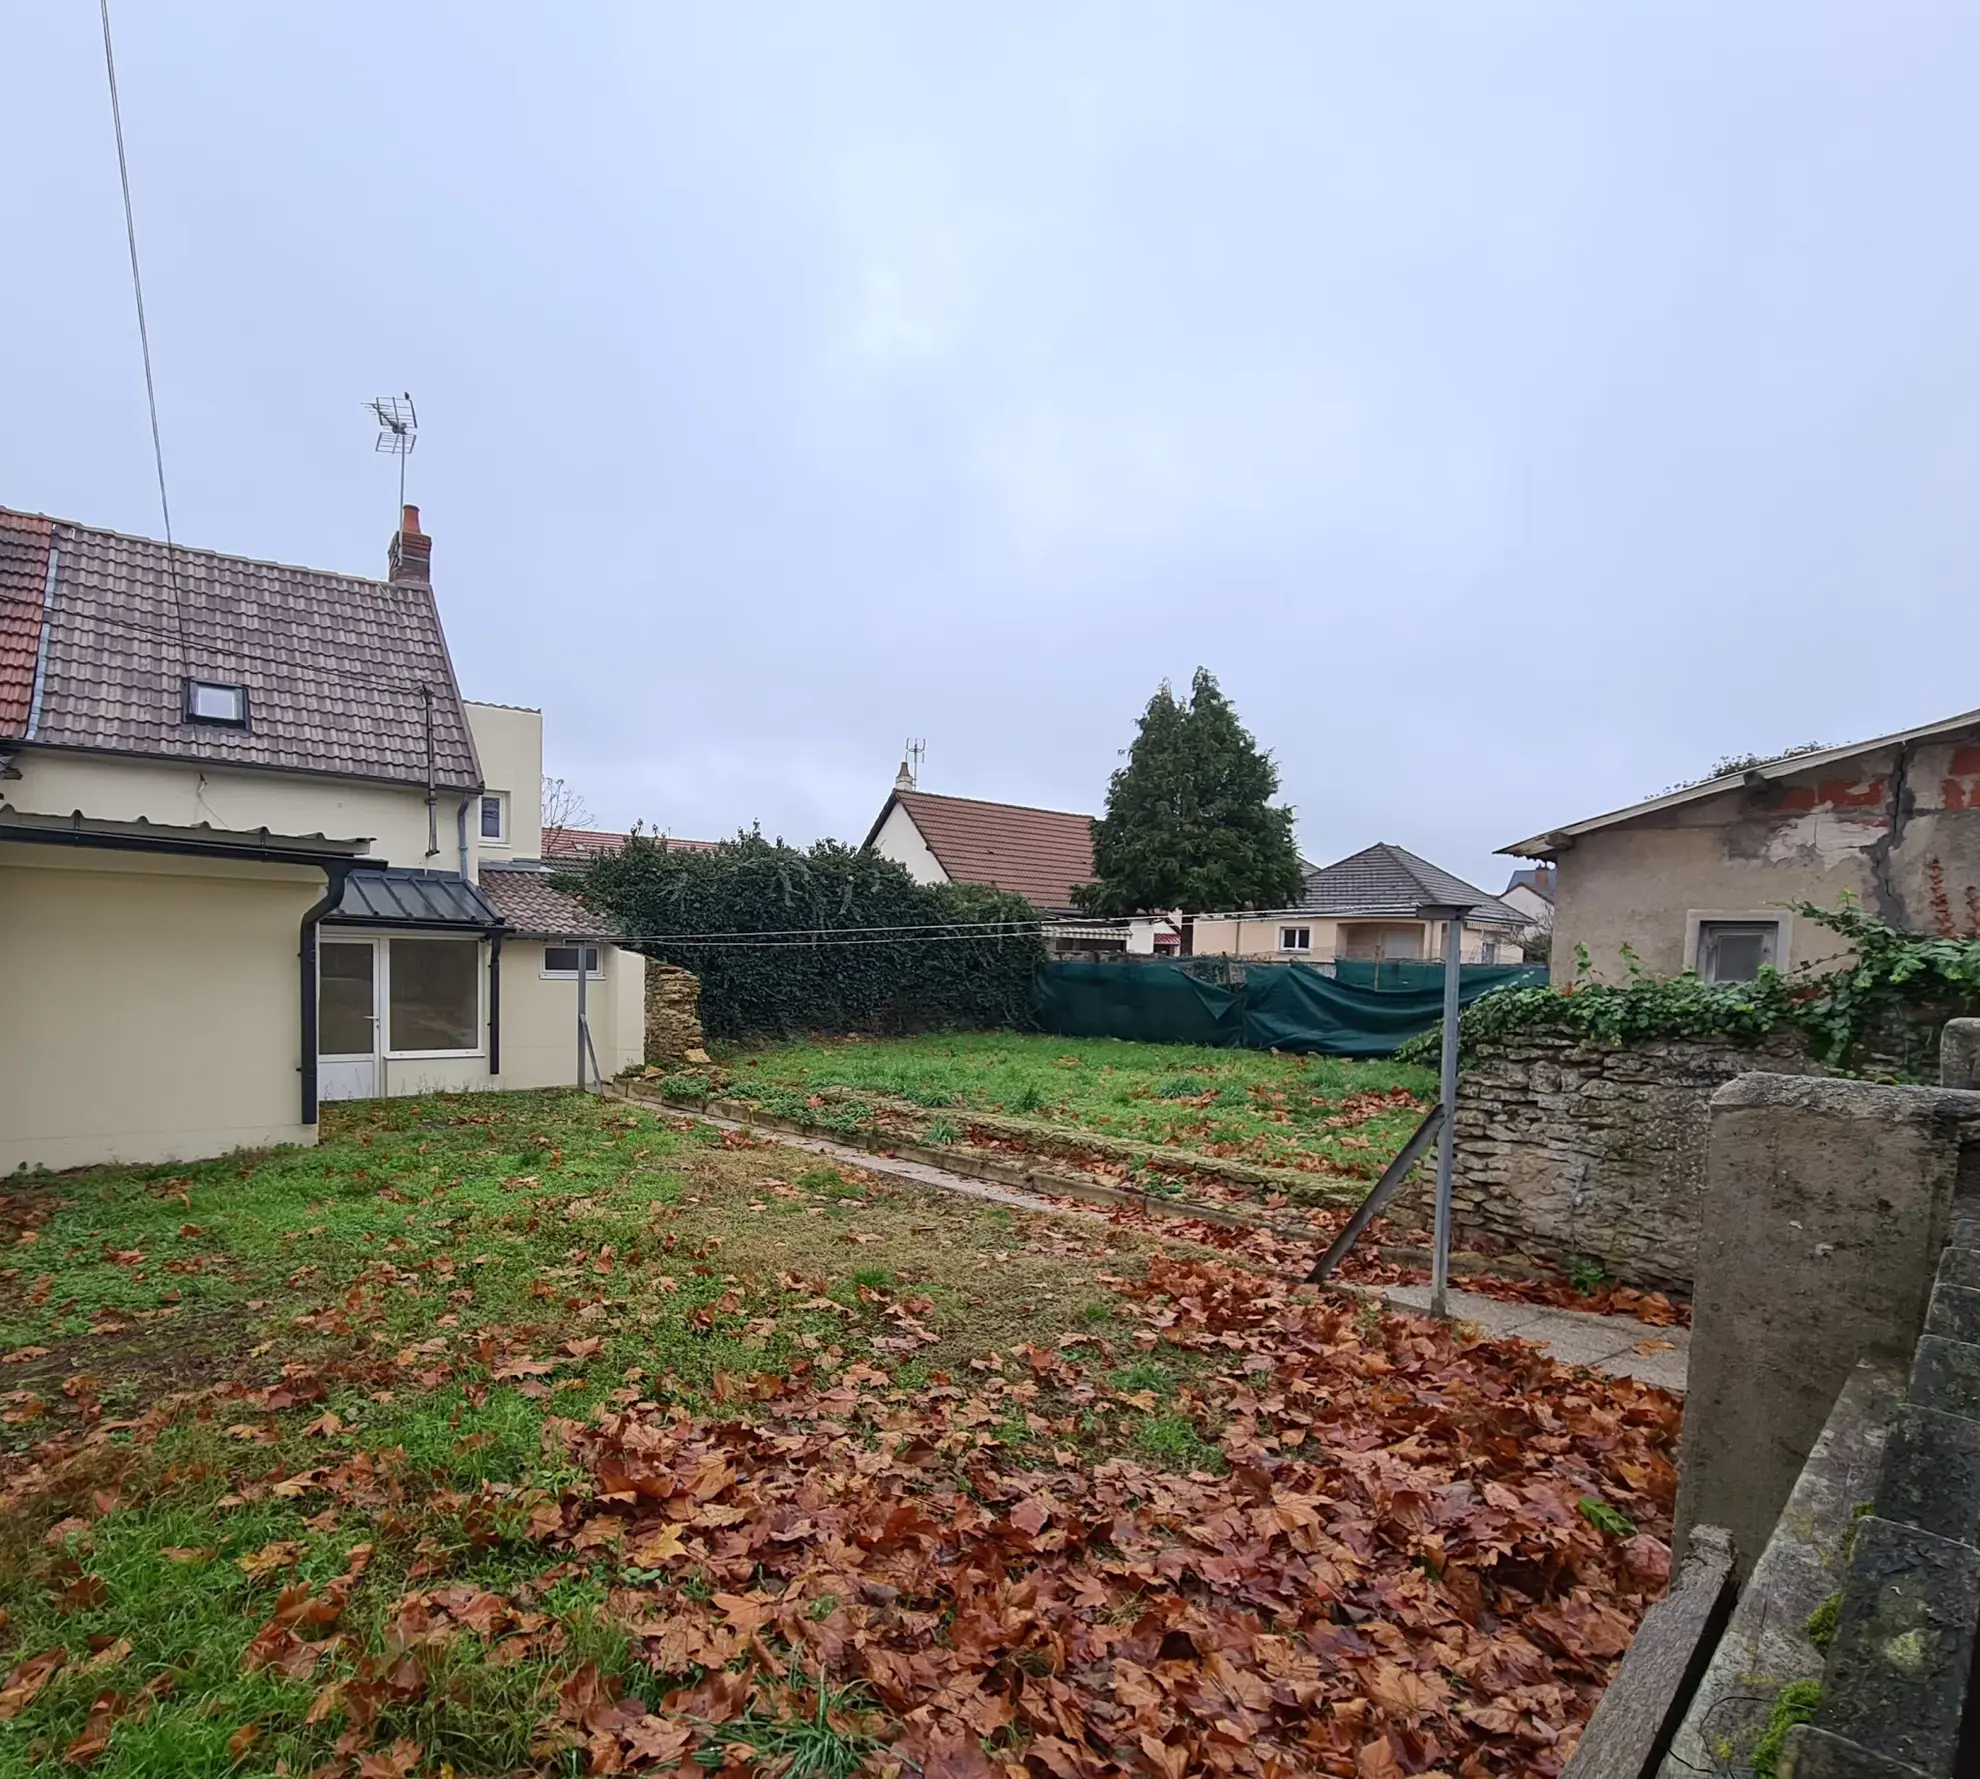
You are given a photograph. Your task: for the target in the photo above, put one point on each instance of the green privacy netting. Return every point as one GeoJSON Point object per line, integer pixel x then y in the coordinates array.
{"type": "Point", "coordinates": [1275, 1006]}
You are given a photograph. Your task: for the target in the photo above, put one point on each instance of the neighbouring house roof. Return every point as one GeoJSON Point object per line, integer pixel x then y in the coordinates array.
{"type": "Point", "coordinates": [1545, 846]}
{"type": "Point", "coordinates": [1537, 878]}
{"type": "Point", "coordinates": [95, 652]}
{"type": "Point", "coordinates": [523, 896]}
{"type": "Point", "coordinates": [1384, 881]}
{"type": "Point", "coordinates": [592, 843]}
{"type": "Point", "coordinates": [394, 896]}
{"type": "Point", "coordinates": [1039, 854]}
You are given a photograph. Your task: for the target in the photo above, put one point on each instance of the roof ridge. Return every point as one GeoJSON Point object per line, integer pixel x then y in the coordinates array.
{"type": "Point", "coordinates": [993, 803]}
{"type": "Point", "coordinates": [184, 549]}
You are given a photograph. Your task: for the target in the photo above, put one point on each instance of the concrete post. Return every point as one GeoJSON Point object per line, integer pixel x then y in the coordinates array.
{"type": "Point", "coordinates": [1959, 1054]}
{"type": "Point", "coordinates": [1826, 1205]}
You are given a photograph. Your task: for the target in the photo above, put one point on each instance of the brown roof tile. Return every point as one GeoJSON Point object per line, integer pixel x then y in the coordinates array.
{"type": "Point", "coordinates": [23, 580]}
{"type": "Point", "coordinates": [522, 895]}
{"type": "Point", "coordinates": [333, 664]}
{"type": "Point", "coordinates": [1035, 853]}
{"type": "Point", "coordinates": [592, 843]}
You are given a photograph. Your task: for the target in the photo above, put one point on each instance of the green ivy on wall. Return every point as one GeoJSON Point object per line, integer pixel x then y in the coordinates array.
{"type": "Point", "coordinates": [969, 961]}
{"type": "Point", "coordinates": [1869, 1011]}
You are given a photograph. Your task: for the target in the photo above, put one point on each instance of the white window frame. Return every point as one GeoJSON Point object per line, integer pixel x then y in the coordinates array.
{"type": "Point", "coordinates": [1304, 942]}
{"type": "Point", "coordinates": [1781, 919]}
{"type": "Point", "coordinates": [597, 948]}
{"type": "Point", "coordinates": [385, 997]}
{"type": "Point", "coordinates": [501, 801]}
{"type": "Point", "coordinates": [195, 685]}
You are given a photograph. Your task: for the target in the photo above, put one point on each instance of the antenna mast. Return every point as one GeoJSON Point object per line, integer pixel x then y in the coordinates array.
{"type": "Point", "coordinates": [398, 431]}
{"type": "Point", "coordinates": [917, 751]}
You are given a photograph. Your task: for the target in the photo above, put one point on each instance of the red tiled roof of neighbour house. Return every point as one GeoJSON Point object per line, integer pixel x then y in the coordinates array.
{"type": "Point", "coordinates": [334, 665]}
{"type": "Point", "coordinates": [24, 541]}
{"type": "Point", "coordinates": [523, 896]}
{"type": "Point", "coordinates": [1039, 854]}
{"type": "Point", "coordinates": [592, 843]}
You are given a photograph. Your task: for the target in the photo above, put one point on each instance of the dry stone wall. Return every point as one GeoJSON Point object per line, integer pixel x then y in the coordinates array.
{"type": "Point", "coordinates": [673, 1015]}
{"type": "Point", "coordinates": [1569, 1150]}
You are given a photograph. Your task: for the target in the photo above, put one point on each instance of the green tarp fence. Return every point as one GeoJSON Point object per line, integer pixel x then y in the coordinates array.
{"type": "Point", "coordinates": [1275, 1007]}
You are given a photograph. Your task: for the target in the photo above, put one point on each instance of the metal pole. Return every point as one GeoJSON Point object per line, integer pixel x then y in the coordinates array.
{"type": "Point", "coordinates": [1440, 1258]}
{"type": "Point", "coordinates": [581, 1034]}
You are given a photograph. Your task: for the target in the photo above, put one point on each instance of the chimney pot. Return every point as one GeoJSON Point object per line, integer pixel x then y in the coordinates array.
{"type": "Point", "coordinates": [411, 556]}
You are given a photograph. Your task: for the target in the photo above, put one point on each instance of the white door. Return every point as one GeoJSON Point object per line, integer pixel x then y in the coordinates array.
{"type": "Point", "coordinates": [348, 1028]}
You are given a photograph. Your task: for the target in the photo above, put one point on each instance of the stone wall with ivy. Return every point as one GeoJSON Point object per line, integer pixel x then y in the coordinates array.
{"type": "Point", "coordinates": [1574, 1151]}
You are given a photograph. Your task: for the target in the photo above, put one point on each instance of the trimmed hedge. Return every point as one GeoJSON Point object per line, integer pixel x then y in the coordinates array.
{"type": "Point", "coordinates": [806, 968]}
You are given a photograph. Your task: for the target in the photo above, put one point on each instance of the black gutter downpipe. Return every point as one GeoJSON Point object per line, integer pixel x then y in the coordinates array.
{"type": "Point", "coordinates": [332, 895]}
{"type": "Point", "coordinates": [494, 1004]}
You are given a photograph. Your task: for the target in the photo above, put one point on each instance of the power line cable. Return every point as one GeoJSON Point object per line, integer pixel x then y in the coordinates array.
{"type": "Point", "coordinates": [144, 334]}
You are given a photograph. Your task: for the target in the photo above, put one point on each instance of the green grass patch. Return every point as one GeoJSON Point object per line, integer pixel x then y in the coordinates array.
{"type": "Point", "coordinates": [1318, 1113]}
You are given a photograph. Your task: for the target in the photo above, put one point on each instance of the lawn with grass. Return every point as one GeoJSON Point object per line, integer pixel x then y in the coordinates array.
{"type": "Point", "coordinates": [1322, 1114]}
{"type": "Point", "coordinates": [537, 1433]}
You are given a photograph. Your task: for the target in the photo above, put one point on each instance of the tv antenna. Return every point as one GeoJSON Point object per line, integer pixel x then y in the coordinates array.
{"type": "Point", "coordinates": [398, 431]}
{"type": "Point", "coordinates": [917, 751]}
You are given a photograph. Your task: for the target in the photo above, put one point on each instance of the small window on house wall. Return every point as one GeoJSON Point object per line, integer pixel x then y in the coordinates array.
{"type": "Point", "coordinates": [562, 960]}
{"type": "Point", "coordinates": [1736, 950]}
{"type": "Point", "coordinates": [495, 816]}
{"type": "Point", "coordinates": [216, 701]}
{"type": "Point", "coordinates": [436, 997]}
{"type": "Point", "coordinates": [1295, 938]}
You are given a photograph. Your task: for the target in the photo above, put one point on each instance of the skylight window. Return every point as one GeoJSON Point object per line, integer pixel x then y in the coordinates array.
{"type": "Point", "coordinates": [215, 701]}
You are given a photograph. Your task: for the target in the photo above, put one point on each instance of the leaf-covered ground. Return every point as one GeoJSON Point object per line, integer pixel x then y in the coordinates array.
{"type": "Point", "coordinates": [1320, 1114]}
{"type": "Point", "coordinates": [537, 1434]}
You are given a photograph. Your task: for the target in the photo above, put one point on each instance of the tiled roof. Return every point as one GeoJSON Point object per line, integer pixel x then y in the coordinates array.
{"type": "Point", "coordinates": [593, 843]}
{"type": "Point", "coordinates": [1384, 880]}
{"type": "Point", "coordinates": [23, 579]}
{"type": "Point", "coordinates": [1039, 854]}
{"type": "Point", "coordinates": [396, 896]}
{"type": "Point", "coordinates": [522, 895]}
{"type": "Point", "coordinates": [334, 665]}
{"type": "Point", "coordinates": [1556, 840]}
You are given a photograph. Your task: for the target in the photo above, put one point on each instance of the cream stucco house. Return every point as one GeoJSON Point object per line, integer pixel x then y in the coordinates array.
{"type": "Point", "coordinates": [1704, 877]}
{"type": "Point", "coordinates": [257, 851]}
{"type": "Point", "coordinates": [1364, 907]}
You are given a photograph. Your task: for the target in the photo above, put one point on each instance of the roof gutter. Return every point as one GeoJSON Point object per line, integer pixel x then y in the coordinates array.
{"type": "Point", "coordinates": [263, 853]}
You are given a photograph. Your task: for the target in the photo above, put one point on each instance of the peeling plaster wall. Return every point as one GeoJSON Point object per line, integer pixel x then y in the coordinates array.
{"type": "Point", "coordinates": [1899, 829]}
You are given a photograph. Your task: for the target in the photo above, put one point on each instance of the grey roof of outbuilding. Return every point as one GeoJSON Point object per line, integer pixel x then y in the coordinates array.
{"type": "Point", "coordinates": [396, 897]}
{"type": "Point", "coordinates": [1385, 880]}
{"type": "Point", "coordinates": [334, 665]}
{"type": "Point", "coordinates": [524, 896]}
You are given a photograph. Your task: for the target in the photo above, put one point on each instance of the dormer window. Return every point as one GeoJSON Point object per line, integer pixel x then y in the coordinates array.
{"type": "Point", "coordinates": [216, 701]}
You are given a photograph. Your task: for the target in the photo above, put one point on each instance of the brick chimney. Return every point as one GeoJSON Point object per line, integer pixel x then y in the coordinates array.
{"type": "Point", "coordinates": [411, 556]}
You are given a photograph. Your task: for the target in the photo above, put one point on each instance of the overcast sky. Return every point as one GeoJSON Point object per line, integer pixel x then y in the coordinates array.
{"type": "Point", "coordinates": [1515, 406]}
